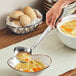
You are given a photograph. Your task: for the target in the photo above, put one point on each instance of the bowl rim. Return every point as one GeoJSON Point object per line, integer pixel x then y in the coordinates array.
{"type": "Point", "coordinates": [30, 72]}
{"type": "Point", "coordinates": [62, 22]}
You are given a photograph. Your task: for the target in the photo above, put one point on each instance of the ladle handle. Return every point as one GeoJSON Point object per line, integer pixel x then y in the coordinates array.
{"type": "Point", "coordinates": [48, 29]}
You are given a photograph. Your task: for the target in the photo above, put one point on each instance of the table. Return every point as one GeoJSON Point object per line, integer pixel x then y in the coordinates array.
{"type": "Point", "coordinates": [8, 38]}
{"type": "Point", "coordinates": [63, 58]}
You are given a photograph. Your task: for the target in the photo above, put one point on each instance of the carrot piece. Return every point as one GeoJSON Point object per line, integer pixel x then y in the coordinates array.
{"type": "Point", "coordinates": [27, 71]}
{"type": "Point", "coordinates": [69, 30]}
{"type": "Point", "coordinates": [39, 68]}
{"type": "Point", "coordinates": [27, 59]}
{"type": "Point", "coordinates": [35, 69]}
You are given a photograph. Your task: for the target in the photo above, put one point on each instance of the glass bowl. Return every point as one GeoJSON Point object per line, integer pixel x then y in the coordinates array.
{"type": "Point", "coordinates": [45, 59]}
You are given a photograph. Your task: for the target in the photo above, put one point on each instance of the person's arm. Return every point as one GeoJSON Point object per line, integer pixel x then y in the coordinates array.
{"type": "Point", "coordinates": [55, 11]}
{"type": "Point", "coordinates": [65, 2]}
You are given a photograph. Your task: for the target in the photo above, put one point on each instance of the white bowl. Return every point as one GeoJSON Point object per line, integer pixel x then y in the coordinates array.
{"type": "Point", "coordinates": [68, 40]}
{"type": "Point", "coordinates": [46, 60]}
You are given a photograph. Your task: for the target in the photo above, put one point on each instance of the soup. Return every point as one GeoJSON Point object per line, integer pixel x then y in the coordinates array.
{"type": "Point", "coordinates": [22, 56]}
{"type": "Point", "coordinates": [30, 65]}
{"type": "Point", "coordinates": [69, 28]}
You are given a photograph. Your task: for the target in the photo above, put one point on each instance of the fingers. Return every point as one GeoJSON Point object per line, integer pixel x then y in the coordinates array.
{"type": "Point", "coordinates": [54, 18]}
{"type": "Point", "coordinates": [53, 22]}
{"type": "Point", "coordinates": [51, 16]}
{"type": "Point", "coordinates": [48, 18]}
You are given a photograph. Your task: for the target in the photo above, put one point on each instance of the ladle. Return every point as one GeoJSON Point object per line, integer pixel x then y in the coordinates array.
{"type": "Point", "coordinates": [66, 11]}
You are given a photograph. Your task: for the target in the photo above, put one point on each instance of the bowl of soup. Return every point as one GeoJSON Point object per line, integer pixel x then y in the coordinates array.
{"type": "Point", "coordinates": [34, 66]}
{"type": "Point", "coordinates": [66, 31]}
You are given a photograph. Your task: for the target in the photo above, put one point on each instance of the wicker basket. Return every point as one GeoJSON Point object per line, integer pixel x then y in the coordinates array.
{"type": "Point", "coordinates": [26, 29]}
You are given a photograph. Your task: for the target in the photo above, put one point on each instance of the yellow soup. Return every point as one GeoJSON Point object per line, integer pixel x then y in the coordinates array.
{"type": "Point", "coordinates": [69, 28]}
{"type": "Point", "coordinates": [22, 56]}
{"type": "Point", "coordinates": [31, 66]}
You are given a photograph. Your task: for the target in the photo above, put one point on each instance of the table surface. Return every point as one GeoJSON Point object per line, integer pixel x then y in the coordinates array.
{"type": "Point", "coordinates": [8, 38]}
{"type": "Point", "coordinates": [63, 58]}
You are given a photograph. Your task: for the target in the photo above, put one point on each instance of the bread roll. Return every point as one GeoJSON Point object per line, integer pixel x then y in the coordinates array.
{"type": "Point", "coordinates": [16, 14]}
{"type": "Point", "coordinates": [25, 20]}
{"type": "Point", "coordinates": [17, 22]}
{"type": "Point", "coordinates": [30, 12]}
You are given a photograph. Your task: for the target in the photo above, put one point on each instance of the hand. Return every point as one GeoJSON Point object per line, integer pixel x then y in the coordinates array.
{"type": "Point", "coordinates": [55, 11]}
{"type": "Point", "coordinates": [53, 14]}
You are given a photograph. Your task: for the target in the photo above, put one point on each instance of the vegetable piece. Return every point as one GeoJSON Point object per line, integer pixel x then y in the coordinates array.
{"type": "Point", "coordinates": [27, 59]}
{"type": "Point", "coordinates": [27, 71]}
{"type": "Point", "coordinates": [39, 68]}
{"type": "Point", "coordinates": [69, 30]}
{"type": "Point", "coordinates": [66, 28]}
{"type": "Point", "coordinates": [35, 69]}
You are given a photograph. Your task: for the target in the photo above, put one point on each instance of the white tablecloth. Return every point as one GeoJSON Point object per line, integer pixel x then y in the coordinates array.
{"type": "Point", "coordinates": [63, 58]}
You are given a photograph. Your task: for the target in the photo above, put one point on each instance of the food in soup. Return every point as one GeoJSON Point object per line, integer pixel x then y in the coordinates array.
{"type": "Point", "coordinates": [30, 66]}
{"type": "Point", "coordinates": [22, 56]}
{"type": "Point", "coordinates": [69, 28]}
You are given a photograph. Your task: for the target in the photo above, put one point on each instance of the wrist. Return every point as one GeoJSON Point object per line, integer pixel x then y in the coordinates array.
{"type": "Point", "coordinates": [64, 3]}
{"type": "Point", "coordinates": [61, 3]}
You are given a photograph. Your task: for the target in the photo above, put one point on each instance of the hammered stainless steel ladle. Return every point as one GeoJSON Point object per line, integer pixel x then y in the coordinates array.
{"type": "Point", "coordinates": [66, 11]}
{"type": "Point", "coordinates": [29, 50]}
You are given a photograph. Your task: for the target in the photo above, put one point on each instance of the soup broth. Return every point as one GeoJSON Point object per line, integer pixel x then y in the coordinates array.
{"type": "Point", "coordinates": [69, 28]}
{"type": "Point", "coordinates": [30, 65]}
{"type": "Point", "coordinates": [22, 56]}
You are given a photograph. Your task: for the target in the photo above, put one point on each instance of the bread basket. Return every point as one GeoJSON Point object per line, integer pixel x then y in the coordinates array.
{"type": "Point", "coordinates": [26, 29]}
